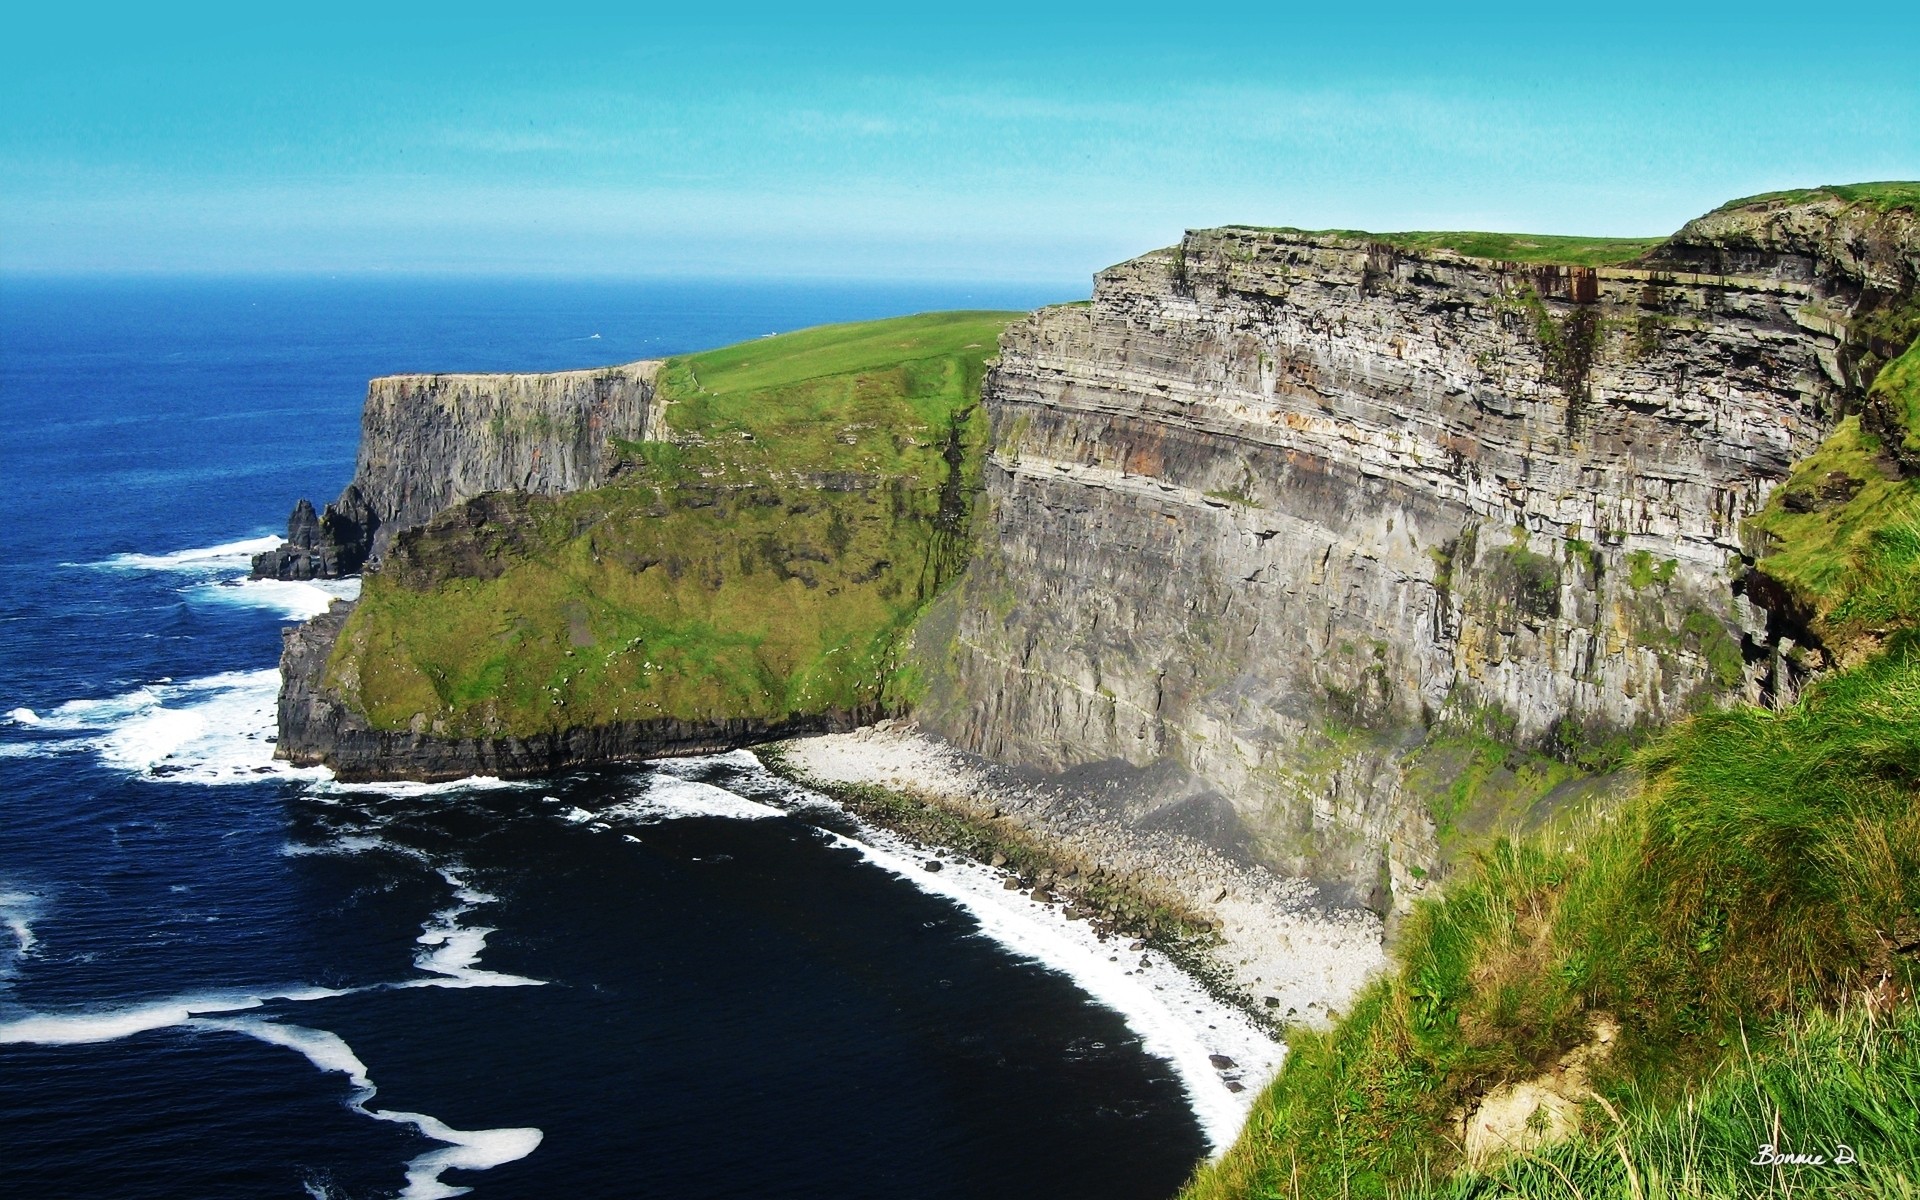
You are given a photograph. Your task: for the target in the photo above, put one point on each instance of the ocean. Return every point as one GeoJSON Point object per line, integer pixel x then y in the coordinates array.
{"type": "Point", "coordinates": [221, 977]}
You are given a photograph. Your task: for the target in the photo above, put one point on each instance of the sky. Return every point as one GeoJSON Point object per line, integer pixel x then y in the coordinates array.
{"type": "Point", "coordinates": [981, 142]}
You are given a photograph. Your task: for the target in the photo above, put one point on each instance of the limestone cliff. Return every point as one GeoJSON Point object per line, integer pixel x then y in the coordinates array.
{"type": "Point", "coordinates": [1280, 508]}
{"type": "Point", "coordinates": [429, 442]}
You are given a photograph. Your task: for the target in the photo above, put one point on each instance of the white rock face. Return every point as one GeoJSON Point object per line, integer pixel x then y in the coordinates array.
{"type": "Point", "coordinates": [429, 442]}
{"type": "Point", "coordinates": [1276, 503]}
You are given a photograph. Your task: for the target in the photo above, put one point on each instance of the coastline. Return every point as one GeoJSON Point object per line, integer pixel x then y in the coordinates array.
{"type": "Point", "coordinates": [1265, 943]}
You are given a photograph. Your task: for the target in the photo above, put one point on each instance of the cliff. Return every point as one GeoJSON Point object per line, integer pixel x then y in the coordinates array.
{"type": "Point", "coordinates": [1372, 539]}
{"type": "Point", "coordinates": [429, 442]}
{"type": "Point", "coordinates": [746, 572]}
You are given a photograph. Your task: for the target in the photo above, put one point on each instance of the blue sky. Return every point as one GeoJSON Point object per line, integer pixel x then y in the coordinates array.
{"type": "Point", "coordinates": [980, 142]}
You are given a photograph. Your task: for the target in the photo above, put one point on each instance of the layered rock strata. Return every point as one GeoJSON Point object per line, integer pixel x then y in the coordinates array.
{"type": "Point", "coordinates": [429, 442]}
{"type": "Point", "coordinates": [1278, 505]}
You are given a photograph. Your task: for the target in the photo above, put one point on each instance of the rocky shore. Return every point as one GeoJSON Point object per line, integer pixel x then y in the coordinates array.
{"type": "Point", "coordinates": [1277, 946]}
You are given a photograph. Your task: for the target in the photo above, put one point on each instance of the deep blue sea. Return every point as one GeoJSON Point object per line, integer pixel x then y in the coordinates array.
{"type": "Point", "coordinates": [222, 978]}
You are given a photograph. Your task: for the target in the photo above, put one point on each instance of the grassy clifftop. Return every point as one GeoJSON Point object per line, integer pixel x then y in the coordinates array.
{"type": "Point", "coordinates": [1725, 961]}
{"type": "Point", "coordinates": [1539, 248]}
{"type": "Point", "coordinates": [1887, 196]}
{"type": "Point", "coordinates": [760, 561]}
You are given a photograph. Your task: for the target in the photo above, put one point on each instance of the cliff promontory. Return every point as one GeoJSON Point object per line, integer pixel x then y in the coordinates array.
{"type": "Point", "coordinates": [746, 570]}
{"type": "Point", "coordinates": [428, 442]}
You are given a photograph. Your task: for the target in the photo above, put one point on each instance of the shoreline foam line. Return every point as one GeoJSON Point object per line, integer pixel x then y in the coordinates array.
{"type": "Point", "coordinates": [466, 1149]}
{"type": "Point", "coordinates": [1175, 1017]}
{"type": "Point", "coordinates": [1140, 1002]}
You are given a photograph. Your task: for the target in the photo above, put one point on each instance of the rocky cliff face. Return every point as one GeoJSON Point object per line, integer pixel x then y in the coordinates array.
{"type": "Point", "coordinates": [429, 442]}
{"type": "Point", "coordinates": [1278, 507]}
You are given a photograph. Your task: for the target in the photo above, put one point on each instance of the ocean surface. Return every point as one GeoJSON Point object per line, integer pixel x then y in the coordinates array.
{"type": "Point", "coordinates": [220, 977]}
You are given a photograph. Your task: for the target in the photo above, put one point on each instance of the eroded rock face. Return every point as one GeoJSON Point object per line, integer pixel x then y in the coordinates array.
{"type": "Point", "coordinates": [429, 442]}
{"type": "Point", "coordinates": [1277, 503]}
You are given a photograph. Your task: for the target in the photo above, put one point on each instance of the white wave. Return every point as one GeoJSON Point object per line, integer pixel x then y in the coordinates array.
{"type": "Point", "coordinates": [204, 558]}
{"type": "Point", "coordinates": [453, 950]}
{"type": "Point", "coordinates": [404, 788]}
{"type": "Point", "coordinates": [17, 912]}
{"type": "Point", "coordinates": [24, 716]}
{"type": "Point", "coordinates": [295, 599]}
{"type": "Point", "coordinates": [668, 797]}
{"type": "Point", "coordinates": [466, 1150]}
{"type": "Point", "coordinates": [211, 730]}
{"type": "Point", "coordinates": [107, 1025]}
{"type": "Point", "coordinates": [353, 843]}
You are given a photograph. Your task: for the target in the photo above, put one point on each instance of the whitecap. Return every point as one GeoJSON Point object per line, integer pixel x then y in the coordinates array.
{"type": "Point", "coordinates": [18, 911]}
{"type": "Point", "coordinates": [295, 599]}
{"type": "Point", "coordinates": [405, 788]}
{"type": "Point", "coordinates": [668, 797]}
{"type": "Point", "coordinates": [212, 730]}
{"type": "Point", "coordinates": [24, 716]}
{"type": "Point", "coordinates": [224, 556]}
{"type": "Point", "coordinates": [466, 1150]}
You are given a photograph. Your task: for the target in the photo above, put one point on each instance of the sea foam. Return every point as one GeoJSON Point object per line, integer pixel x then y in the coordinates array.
{"type": "Point", "coordinates": [17, 912]}
{"type": "Point", "coordinates": [466, 1150]}
{"type": "Point", "coordinates": [224, 557]}
{"type": "Point", "coordinates": [294, 599]}
{"type": "Point", "coordinates": [213, 730]}
{"type": "Point", "coordinates": [452, 951]}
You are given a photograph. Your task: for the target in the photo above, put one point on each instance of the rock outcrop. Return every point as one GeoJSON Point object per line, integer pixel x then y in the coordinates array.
{"type": "Point", "coordinates": [1278, 505]}
{"type": "Point", "coordinates": [429, 442]}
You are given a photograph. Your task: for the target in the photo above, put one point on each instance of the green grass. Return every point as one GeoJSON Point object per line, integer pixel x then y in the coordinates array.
{"type": "Point", "coordinates": [1538, 248]}
{"type": "Point", "coordinates": [1817, 1085]}
{"type": "Point", "coordinates": [872, 397]}
{"type": "Point", "coordinates": [1896, 391]}
{"type": "Point", "coordinates": [1851, 566]}
{"type": "Point", "coordinates": [1885, 196]}
{"type": "Point", "coordinates": [1768, 866]}
{"type": "Point", "coordinates": [765, 563]}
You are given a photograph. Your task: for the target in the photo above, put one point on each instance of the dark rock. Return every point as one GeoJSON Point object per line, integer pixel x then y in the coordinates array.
{"type": "Point", "coordinates": [1234, 1085]}
{"type": "Point", "coordinates": [1043, 895]}
{"type": "Point", "coordinates": [1221, 1062]}
{"type": "Point", "coordinates": [1839, 487]}
{"type": "Point", "coordinates": [1270, 1001]}
{"type": "Point", "coordinates": [1012, 884]}
{"type": "Point", "coordinates": [933, 864]}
